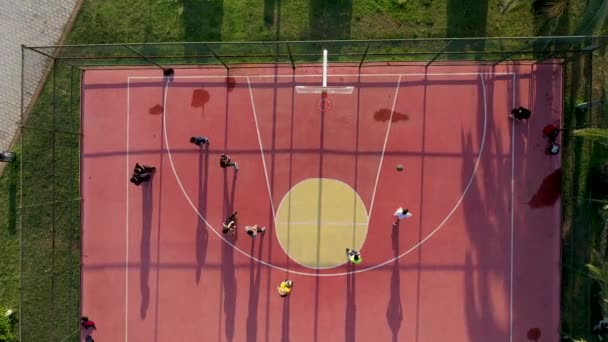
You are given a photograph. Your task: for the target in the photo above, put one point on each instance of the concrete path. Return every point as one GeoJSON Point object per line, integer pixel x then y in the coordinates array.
{"type": "Point", "coordinates": [31, 23]}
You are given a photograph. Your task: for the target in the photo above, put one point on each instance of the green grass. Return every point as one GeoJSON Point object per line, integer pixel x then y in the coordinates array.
{"type": "Point", "coordinates": [112, 21]}
{"type": "Point", "coordinates": [9, 239]}
{"type": "Point", "coordinates": [51, 277]}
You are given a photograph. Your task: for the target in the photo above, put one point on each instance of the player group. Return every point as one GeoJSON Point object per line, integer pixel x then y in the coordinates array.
{"type": "Point", "coordinates": [143, 173]}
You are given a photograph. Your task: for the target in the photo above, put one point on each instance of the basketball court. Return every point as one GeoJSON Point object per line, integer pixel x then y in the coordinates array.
{"type": "Point", "coordinates": [478, 261]}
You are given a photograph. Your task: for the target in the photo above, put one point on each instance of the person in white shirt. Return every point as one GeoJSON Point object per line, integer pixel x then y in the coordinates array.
{"type": "Point", "coordinates": [400, 214]}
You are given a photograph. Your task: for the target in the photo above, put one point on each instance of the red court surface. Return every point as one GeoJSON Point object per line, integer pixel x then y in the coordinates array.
{"type": "Point", "coordinates": [478, 261]}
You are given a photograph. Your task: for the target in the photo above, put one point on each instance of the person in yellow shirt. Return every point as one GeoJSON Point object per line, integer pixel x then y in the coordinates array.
{"type": "Point", "coordinates": [285, 288]}
{"type": "Point", "coordinates": [354, 256]}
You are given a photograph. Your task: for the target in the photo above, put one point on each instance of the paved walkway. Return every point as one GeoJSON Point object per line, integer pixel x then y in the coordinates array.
{"type": "Point", "coordinates": [31, 23]}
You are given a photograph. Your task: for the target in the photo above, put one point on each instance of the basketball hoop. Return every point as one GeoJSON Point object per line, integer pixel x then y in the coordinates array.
{"type": "Point", "coordinates": [324, 89]}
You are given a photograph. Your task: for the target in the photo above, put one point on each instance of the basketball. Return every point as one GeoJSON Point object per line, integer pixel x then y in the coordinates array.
{"type": "Point", "coordinates": [400, 167]}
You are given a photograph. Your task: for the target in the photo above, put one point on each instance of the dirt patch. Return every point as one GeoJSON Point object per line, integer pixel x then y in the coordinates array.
{"type": "Point", "coordinates": [156, 110]}
{"type": "Point", "coordinates": [384, 114]}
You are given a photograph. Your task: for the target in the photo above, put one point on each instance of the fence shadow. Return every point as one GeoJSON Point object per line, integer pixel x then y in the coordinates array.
{"type": "Point", "coordinates": [202, 21]}
{"type": "Point", "coordinates": [269, 12]}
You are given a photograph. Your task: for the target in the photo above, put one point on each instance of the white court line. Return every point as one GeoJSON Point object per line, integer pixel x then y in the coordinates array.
{"type": "Point", "coordinates": [193, 206]}
{"type": "Point", "coordinates": [331, 75]}
{"type": "Point", "coordinates": [512, 215]}
{"type": "Point", "coordinates": [314, 223]}
{"type": "Point", "coordinates": [388, 130]}
{"type": "Point", "coordinates": [257, 130]}
{"type": "Point", "coordinates": [433, 232]}
{"type": "Point", "coordinates": [324, 223]}
{"type": "Point", "coordinates": [127, 216]}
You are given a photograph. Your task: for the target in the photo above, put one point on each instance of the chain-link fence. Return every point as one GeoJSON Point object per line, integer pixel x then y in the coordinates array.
{"type": "Point", "coordinates": [585, 196]}
{"type": "Point", "coordinates": [50, 200]}
{"type": "Point", "coordinates": [50, 149]}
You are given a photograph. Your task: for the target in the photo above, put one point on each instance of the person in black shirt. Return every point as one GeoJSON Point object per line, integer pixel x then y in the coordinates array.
{"type": "Point", "coordinates": [141, 174]}
{"type": "Point", "coordinates": [520, 113]}
{"type": "Point", "coordinates": [200, 141]}
{"type": "Point", "coordinates": [225, 162]}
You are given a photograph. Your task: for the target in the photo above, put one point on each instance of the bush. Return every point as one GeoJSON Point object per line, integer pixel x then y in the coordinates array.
{"type": "Point", "coordinates": [7, 331]}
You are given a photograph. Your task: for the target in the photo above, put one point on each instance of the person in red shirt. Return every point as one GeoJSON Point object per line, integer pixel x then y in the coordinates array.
{"type": "Point", "coordinates": [87, 323]}
{"type": "Point", "coordinates": [551, 132]}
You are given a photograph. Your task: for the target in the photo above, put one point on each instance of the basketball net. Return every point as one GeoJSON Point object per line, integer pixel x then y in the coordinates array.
{"type": "Point", "coordinates": [324, 89]}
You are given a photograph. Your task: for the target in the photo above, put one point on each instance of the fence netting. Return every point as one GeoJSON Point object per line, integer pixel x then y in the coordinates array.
{"type": "Point", "coordinates": [50, 201]}
{"type": "Point", "coordinates": [50, 151]}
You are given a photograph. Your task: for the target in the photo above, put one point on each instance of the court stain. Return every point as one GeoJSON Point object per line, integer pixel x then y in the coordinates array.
{"type": "Point", "coordinates": [549, 191]}
{"type": "Point", "coordinates": [156, 109]}
{"type": "Point", "coordinates": [384, 114]}
{"type": "Point", "coordinates": [318, 219]}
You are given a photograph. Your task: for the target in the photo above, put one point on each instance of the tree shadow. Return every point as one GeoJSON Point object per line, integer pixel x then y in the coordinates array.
{"type": "Point", "coordinates": [200, 97]}
{"type": "Point", "coordinates": [269, 10]}
{"type": "Point", "coordinates": [202, 235]}
{"type": "Point", "coordinates": [146, 233]}
{"type": "Point", "coordinates": [487, 259]}
{"type": "Point", "coordinates": [394, 310]}
{"type": "Point", "coordinates": [202, 20]}
{"type": "Point", "coordinates": [467, 18]}
{"type": "Point", "coordinates": [330, 19]}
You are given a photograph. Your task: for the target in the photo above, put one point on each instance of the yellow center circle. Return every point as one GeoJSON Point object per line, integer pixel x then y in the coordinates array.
{"type": "Point", "coordinates": [318, 219]}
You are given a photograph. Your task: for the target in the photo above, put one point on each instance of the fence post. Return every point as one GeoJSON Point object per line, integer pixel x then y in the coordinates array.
{"type": "Point", "coordinates": [51, 57]}
{"type": "Point", "coordinates": [53, 214]}
{"type": "Point", "coordinates": [21, 130]}
{"type": "Point", "coordinates": [143, 56]}
{"type": "Point", "coordinates": [509, 55]}
{"type": "Point", "coordinates": [217, 57]}
{"type": "Point", "coordinates": [438, 54]}
{"type": "Point", "coordinates": [364, 55]}
{"type": "Point", "coordinates": [293, 64]}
